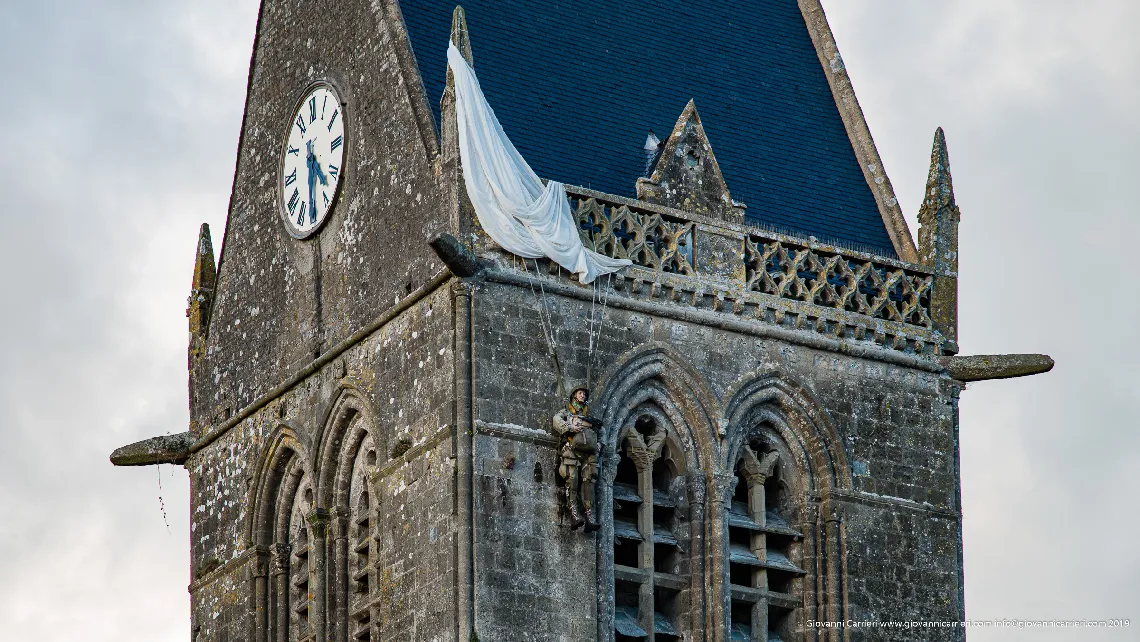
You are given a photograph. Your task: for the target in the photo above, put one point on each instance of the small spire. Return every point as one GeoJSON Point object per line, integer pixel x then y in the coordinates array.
{"type": "Point", "coordinates": [204, 269]}
{"type": "Point", "coordinates": [459, 34]}
{"type": "Point", "coordinates": [205, 278]}
{"type": "Point", "coordinates": [938, 243]}
{"type": "Point", "coordinates": [939, 183]}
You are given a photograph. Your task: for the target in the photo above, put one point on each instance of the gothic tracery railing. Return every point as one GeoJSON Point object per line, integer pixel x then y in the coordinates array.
{"type": "Point", "coordinates": [665, 241]}
{"type": "Point", "coordinates": [836, 281]}
{"type": "Point", "coordinates": [646, 238]}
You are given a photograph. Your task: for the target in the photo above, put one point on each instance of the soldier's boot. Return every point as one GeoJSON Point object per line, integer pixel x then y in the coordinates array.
{"type": "Point", "coordinates": [588, 498]}
{"type": "Point", "coordinates": [575, 514]}
{"type": "Point", "coordinates": [591, 525]}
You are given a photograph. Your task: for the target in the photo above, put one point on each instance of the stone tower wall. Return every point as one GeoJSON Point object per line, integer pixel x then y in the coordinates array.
{"type": "Point", "coordinates": [896, 503]}
{"type": "Point", "coordinates": [355, 336]}
{"type": "Point", "coordinates": [280, 302]}
{"type": "Point", "coordinates": [398, 383]}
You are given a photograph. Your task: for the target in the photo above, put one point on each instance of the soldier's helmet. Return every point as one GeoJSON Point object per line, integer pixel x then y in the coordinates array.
{"type": "Point", "coordinates": [576, 388]}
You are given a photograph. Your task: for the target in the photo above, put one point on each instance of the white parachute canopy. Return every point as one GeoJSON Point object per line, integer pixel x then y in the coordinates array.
{"type": "Point", "coordinates": [514, 207]}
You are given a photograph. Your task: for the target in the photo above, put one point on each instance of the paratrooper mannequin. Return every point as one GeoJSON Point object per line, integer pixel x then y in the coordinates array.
{"type": "Point", "coordinates": [578, 467]}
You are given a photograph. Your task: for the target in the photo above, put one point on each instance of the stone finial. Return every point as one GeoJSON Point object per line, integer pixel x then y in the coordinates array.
{"type": "Point", "coordinates": [651, 148]}
{"type": "Point", "coordinates": [459, 34]}
{"type": "Point", "coordinates": [448, 163]}
{"type": "Point", "coordinates": [462, 41]}
{"type": "Point", "coordinates": [939, 182]}
{"type": "Point", "coordinates": [203, 286]}
{"type": "Point", "coordinates": [687, 175]}
{"type": "Point", "coordinates": [938, 242]}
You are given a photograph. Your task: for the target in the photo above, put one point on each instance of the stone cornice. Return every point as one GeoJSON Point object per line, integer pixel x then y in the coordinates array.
{"type": "Point", "coordinates": [794, 325]}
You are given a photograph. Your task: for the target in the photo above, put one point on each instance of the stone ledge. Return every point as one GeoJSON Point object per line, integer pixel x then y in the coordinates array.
{"type": "Point", "coordinates": [516, 433]}
{"type": "Point", "coordinates": [413, 453]}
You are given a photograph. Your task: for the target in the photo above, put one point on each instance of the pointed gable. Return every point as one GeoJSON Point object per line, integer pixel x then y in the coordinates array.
{"type": "Point", "coordinates": [577, 86]}
{"type": "Point", "coordinates": [687, 175]}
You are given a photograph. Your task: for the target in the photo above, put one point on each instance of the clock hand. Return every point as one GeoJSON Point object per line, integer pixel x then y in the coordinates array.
{"type": "Point", "coordinates": [315, 163]}
{"type": "Point", "coordinates": [311, 161]}
{"type": "Point", "coordinates": [315, 173]}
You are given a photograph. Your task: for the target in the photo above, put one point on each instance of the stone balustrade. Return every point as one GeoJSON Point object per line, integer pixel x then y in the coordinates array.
{"type": "Point", "coordinates": [842, 291]}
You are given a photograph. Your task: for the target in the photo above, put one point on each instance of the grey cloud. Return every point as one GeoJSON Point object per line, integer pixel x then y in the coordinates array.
{"type": "Point", "coordinates": [119, 139]}
{"type": "Point", "coordinates": [1038, 105]}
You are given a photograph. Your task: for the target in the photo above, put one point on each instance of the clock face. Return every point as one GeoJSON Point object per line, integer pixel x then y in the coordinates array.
{"type": "Point", "coordinates": [312, 160]}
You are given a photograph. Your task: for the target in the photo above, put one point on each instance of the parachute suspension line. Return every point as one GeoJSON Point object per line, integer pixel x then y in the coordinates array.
{"type": "Point", "coordinates": [546, 322]}
{"type": "Point", "coordinates": [596, 330]}
{"type": "Point", "coordinates": [560, 382]}
{"type": "Point", "coordinates": [590, 326]}
{"type": "Point", "coordinates": [547, 331]}
{"type": "Point", "coordinates": [590, 332]}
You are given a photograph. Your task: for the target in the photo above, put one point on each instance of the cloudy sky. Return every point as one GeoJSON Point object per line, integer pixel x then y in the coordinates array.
{"type": "Point", "coordinates": [119, 132]}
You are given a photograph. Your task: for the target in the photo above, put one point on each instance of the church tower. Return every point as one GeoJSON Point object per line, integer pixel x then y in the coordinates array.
{"type": "Point", "coordinates": [773, 383]}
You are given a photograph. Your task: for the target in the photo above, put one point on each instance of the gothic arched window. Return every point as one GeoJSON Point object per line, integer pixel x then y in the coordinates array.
{"type": "Point", "coordinates": [289, 595]}
{"type": "Point", "coordinates": [347, 462]}
{"type": "Point", "coordinates": [764, 568]}
{"type": "Point", "coordinates": [650, 545]}
{"type": "Point", "coordinates": [362, 586]}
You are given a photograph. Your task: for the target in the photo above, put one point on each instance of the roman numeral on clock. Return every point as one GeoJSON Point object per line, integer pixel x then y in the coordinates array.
{"type": "Point", "coordinates": [293, 200]}
{"type": "Point", "coordinates": [293, 150]}
{"type": "Point", "coordinates": [336, 143]}
{"type": "Point", "coordinates": [301, 216]}
{"type": "Point", "coordinates": [312, 109]}
{"type": "Point", "coordinates": [292, 178]}
{"type": "Point", "coordinates": [333, 170]}
{"type": "Point", "coordinates": [333, 119]}
{"type": "Point", "coordinates": [301, 123]}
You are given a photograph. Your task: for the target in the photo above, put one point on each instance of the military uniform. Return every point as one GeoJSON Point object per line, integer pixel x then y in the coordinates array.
{"type": "Point", "coordinates": [578, 464]}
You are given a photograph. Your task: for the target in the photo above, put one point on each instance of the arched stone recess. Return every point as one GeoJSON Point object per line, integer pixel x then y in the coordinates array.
{"type": "Point", "coordinates": [284, 526]}
{"type": "Point", "coordinates": [805, 422]}
{"type": "Point", "coordinates": [779, 540]}
{"type": "Point", "coordinates": [658, 436]}
{"type": "Point", "coordinates": [347, 456]}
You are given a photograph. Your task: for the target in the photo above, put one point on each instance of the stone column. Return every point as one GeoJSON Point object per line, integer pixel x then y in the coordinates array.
{"type": "Point", "coordinates": [833, 567]}
{"type": "Point", "coordinates": [756, 471]}
{"type": "Point", "coordinates": [813, 592]}
{"type": "Point", "coordinates": [608, 463]}
{"type": "Point", "coordinates": [318, 519]}
{"type": "Point", "coordinates": [643, 460]}
{"type": "Point", "coordinates": [338, 589]}
{"type": "Point", "coordinates": [722, 486]}
{"type": "Point", "coordinates": [279, 611]}
{"type": "Point", "coordinates": [699, 594]}
{"type": "Point", "coordinates": [464, 449]}
{"type": "Point", "coordinates": [756, 509]}
{"type": "Point", "coordinates": [260, 593]}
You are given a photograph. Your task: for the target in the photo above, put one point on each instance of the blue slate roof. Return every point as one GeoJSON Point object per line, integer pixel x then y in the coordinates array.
{"type": "Point", "coordinates": [578, 85]}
